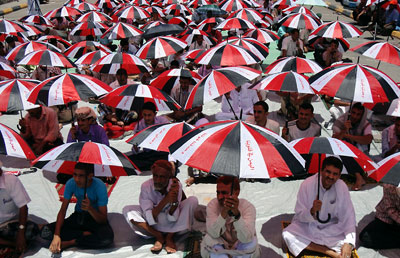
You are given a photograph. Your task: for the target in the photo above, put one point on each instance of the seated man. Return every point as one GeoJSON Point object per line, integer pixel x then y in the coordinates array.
{"type": "Point", "coordinates": [230, 223]}
{"type": "Point", "coordinates": [88, 226]}
{"type": "Point", "coordinates": [260, 117]}
{"type": "Point", "coordinates": [354, 128]}
{"type": "Point", "coordinates": [391, 17]}
{"type": "Point", "coordinates": [122, 79]}
{"type": "Point", "coordinates": [362, 14]}
{"type": "Point", "coordinates": [336, 238]}
{"type": "Point", "coordinates": [384, 231]}
{"type": "Point", "coordinates": [241, 99]}
{"type": "Point", "coordinates": [391, 139]}
{"type": "Point", "coordinates": [302, 126]}
{"type": "Point", "coordinates": [332, 54]}
{"type": "Point", "coordinates": [40, 129]}
{"type": "Point", "coordinates": [161, 213]}
{"type": "Point", "coordinates": [145, 159]}
{"type": "Point", "coordinates": [15, 229]}
{"type": "Point", "coordinates": [292, 45]}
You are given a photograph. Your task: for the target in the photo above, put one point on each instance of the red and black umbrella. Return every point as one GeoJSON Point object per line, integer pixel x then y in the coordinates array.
{"type": "Point", "coordinates": [300, 21]}
{"type": "Point", "coordinates": [107, 3]}
{"type": "Point", "coordinates": [90, 58]}
{"type": "Point", "coordinates": [262, 35]}
{"type": "Point", "coordinates": [355, 82]}
{"type": "Point", "coordinates": [161, 47]}
{"type": "Point", "coordinates": [114, 61]}
{"type": "Point", "coordinates": [58, 38]}
{"type": "Point", "coordinates": [237, 149]}
{"type": "Point", "coordinates": [14, 94]}
{"type": "Point", "coordinates": [219, 82]}
{"type": "Point", "coordinates": [89, 28]}
{"type": "Point", "coordinates": [235, 23]}
{"type": "Point", "coordinates": [8, 27]}
{"type": "Point", "coordinates": [159, 137]}
{"type": "Point", "coordinates": [132, 12]}
{"type": "Point", "coordinates": [248, 14]}
{"type": "Point", "coordinates": [193, 54]}
{"type": "Point", "coordinates": [46, 57]}
{"type": "Point", "coordinates": [170, 78]}
{"type": "Point", "coordinates": [83, 47]}
{"type": "Point", "coordinates": [64, 11]}
{"type": "Point", "coordinates": [300, 9]}
{"type": "Point", "coordinates": [337, 29]}
{"type": "Point", "coordinates": [233, 5]}
{"type": "Point", "coordinates": [36, 19]}
{"type": "Point", "coordinates": [94, 16]}
{"type": "Point", "coordinates": [188, 36]}
{"type": "Point", "coordinates": [283, 4]}
{"type": "Point", "coordinates": [133, 96]}
{"type": "Point", "coordinates": [285, 82]}
{"type": "Point", "coordinates": [295, 64]}
{"type": "Point", "coordinates": [177, 9]}
{"type": "Point", "coordinates": [20, 51]}
{"type": "Point", "coordinates": [382, 51]}
{"type": "Point", "coordinates": [197, 3]}
{"type": "Point", "coordinates": [64, 88]}
{"type": "Point", "coordinates": [388, 171]}
{"type": "Point", "coordinates": [254, 46]}
{"type": "Point", "coordinates": [121, 31]}
{"type": "Point", "coordinates": [85, 6]}
{"type": "Point", "coordinates": [7, 71]}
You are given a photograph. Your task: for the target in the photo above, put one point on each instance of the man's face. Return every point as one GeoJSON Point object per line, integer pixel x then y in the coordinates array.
{"type": "Point", "coordinates": [329, 175]}
{"type": "Point", "coordinates": [259, 113]}
{"type": "Point", "coordinates": [305, 116]}
{"type": "Point", "coordinates": [84, 124]}
{"type": "Point", "coordinates": [122, 79]}
{"type": "Point", "coordinates": [80, 177]}
{"type": "Point", "coordinates": [224, 191]}
{"type": "Point", "coordinates": [160, 178]}
{"type": "Point", "coordinates": [185, 83]}
{"type": "Point", "coordinates": [35, 112]}
{"type": "Point", "coordinates": [199, 39]}
{"type": "Point", "coordinates": [148, 116]}
{"type": "Point", "coordinates": [295, 36]}
{"type": "Point", "coordinates": [356, 115]}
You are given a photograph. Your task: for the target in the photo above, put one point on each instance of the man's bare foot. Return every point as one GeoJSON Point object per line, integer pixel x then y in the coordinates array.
{"type": "Point", "coordinates": [360, 182]}
{"type": "Point", "coordinates": [157, 247]}
{"type": "Point", "coordinates": [189, 181]}
{"type": "Point", "coordinates": [170, 246]}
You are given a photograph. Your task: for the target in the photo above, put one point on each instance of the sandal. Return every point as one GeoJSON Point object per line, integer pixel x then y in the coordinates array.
{"type": "Point", "coordinates": [157, 247]}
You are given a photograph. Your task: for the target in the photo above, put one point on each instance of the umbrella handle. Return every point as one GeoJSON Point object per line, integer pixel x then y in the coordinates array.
{"type": "Point", "coordinates": [323, 221]}
{"type": "Point", "coordinates": [236, 118]}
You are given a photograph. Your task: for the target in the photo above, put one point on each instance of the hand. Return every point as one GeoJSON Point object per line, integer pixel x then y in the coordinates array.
{"type": "Point", "coordinates": [85, 205]}
{"type": "Point", "coordinates": [317, 204]}
{"type": "Point", "coordinates": [120, 123]}
{"type": "Point", "coordinates": [179, 114]}
{"type": "Point", "coordinates": [20, 241]}
{"type": "Point", "coordinates": [189, 181]}
{"type": "Point", "coordinates": [232, 203]}
{"type": "Point", "coordinates": [22, 122]}
{"type": "Point", "coordinates": [347, 125]}
{"type": "Point", "coordinates": [346, 250]}
{"type": "Point", "coordinates": [73, 132]}
{"type": "Point", "coordinates": [55, 246]}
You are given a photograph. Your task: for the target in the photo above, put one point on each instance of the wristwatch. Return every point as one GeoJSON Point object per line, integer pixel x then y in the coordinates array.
{"type": "Point", "coordinates": [21, 227]}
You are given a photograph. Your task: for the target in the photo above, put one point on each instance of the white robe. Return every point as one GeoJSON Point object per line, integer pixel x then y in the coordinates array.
{"type": "Point", "coordinates": [304, 229]}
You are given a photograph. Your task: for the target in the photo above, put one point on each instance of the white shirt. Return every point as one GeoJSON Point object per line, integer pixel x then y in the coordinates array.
{"type": "Point", "coordinates": [271, 124]}
{"type": "Point", "coordinates": [295, 133]}
{"type": "Point", "coordinates": [242, 100]}
{"type": "Point", "coordinates": [290, 46]}
{"type": "Point", "coordinates": [12, 197]}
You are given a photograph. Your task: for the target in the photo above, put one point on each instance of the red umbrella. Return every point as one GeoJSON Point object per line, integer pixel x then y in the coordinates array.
{"type": "Point", "coordinates": [46, 57]}
{"type": "Point", "coordinates": [295, 64]}
{"type": "Point", "coordinates": [382, 51]}
{"type": "Point", "coordinates": [193, 54]}
{"type": "Point", "coordinates": [8, 27]}
{"type": "Point", "coordinates": [197, 3]}
{"type": "Point", "coordinates": [235, 23]}
{"type": "Point", "coordinates": [14, 94]}
{"type": "Point", "coordinates": [64, 11]}
{"type": "Point", "coordinates": [177, 9]}
{"type": "Point", "coordinates": [132, 12]}
{"type": "Point", "coordinates": [114, 61]}
{"type": "Point", "coordinates": [7, 71]}
{"type": "Point", "coordinates": [58, 38]}
{"type": "Point", "coordinates": [248, 14]}
{"type": "Point", "coordinates": [161, 47]}
{"type": "Point", "coordinates": [85, 6]}
{"type": "Point", "coordinates": [232, 5]}
{"type": "Point", "coordinates": [106, 3]}
{"type": "Point", "coordinates": [285, 82]}
{"type": "Point", "coordinates": [89, 28]}
{"type": "Point", "coordinates": [388, 170]}
{"type": "Point", "coordinates": [254, 46]}
{"type": "Point", "coordinates": [300, 9]}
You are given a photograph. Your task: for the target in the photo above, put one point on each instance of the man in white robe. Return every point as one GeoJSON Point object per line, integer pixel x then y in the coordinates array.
{"type": "Point", "coordinates": [337, 237]}
{"type": "Point", "coordinates": [161, 212]}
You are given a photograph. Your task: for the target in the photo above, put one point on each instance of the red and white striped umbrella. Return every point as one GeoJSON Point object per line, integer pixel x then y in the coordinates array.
{"type": "Point", "coordinates": [107, 3]}
{"type": "Point", "coordinates": [285, 82]}
{"type": "Point", "coordinates": [8, 27]}
{"type": "Point", "coordinates": [160, 137]}
{"type": "Point", "coordinates": [283, 4]}
{"type": "Point", "coordinates": [133, 96]}
{"type": "Point", "coordinates": [169, 2]}
{"type": "Point", "coordinates": [238, 149]}
{"type": "Point", "coordinates": [179, 20]}
{"type": "Point", "coordinates": [20, 51]}
{"type": "Point", "coordinates": [248, 14]}
{"type": "Point", "coordinates": [58, 38]}
{"type": "Point", "coordinates": [132, 12]}
{"type": "Point", "coordinates": [121, 31]}
{"type": "Point", "coordinates": [83, 47]}
{"type": "Point", "coordinates": [85, 6]}
{"type": "Point", "coordinates": [114, 61]}
{"type": "Point", "coordinates": [89, 28]}
{"type": "Point", "coordinates": [189, 35]}
{"type": "Point", "coordinates": [193, 54]}
{"type": "Point", "coordinates": [170, 78]}
{"type": "Point", "coordinates": [18, 36]}
{"type": "Point", "coordinates": [295, 64]}
{"type": "Point", "coordinates": [256, 47]}
{"type": "Point", "coordinates": [31, 29]}
{"type": "Point", "coordinates": [151, 24]}
{"type": "Point", "coordinates": [197, 3]}
{"type": "Point", "coordinates": [71, 3]}
{"type": "Point", "coordinates": [219, 82]}
{"type": "Point", "coordinates": [140, 3]}
{"type": "Point", "coordinates": [46, 57]}
{"type": "Point", "coordinates": [300, 21]}
{"type": "Point", "coordinates": [7, 71]}
{"type": "Point", "coordinates": [355, 82]}
{"type": "Point", "coordinates": [155, 9]}
{"type": "Point", "coordinates": [252, 3]}
{"type": "Point", "coordinates": [382, 51]}
{"type": "Point", "coordinates": [388, 171]}
{"type": "Point", "coordinates": [64, 88]}
{"type": "Point", "coordinates": [177, 9]}
{"type": "Point", "coordinates": [90, 58]}
{"type": "Point", "coordinates": [161, 47]}
{"type": "Point", "coordinates": [232, 5]}
{"type": "Point", "coordinates": [63, 11]}
{"type": "Point", "coordinates": [235, 23]}
{"type": "Point", "coordinates": [14, 94]}
{"type": "Point", "coordinates": [36, 19]}
{"type": "Point", "coordinates": [95, 16]}
{"type": "Point", "coordinates": [13, 145]}
{"type": "Point", "coordinates": [108, 161]}
{"type": "Point", "coordinates": [300, 9]}
{"type": "Point", "coordinates": [337, 29]}
{"type": "Point", "coordinates": [227, 55]}
{"type": "Point", "coordinates": [262, 35]}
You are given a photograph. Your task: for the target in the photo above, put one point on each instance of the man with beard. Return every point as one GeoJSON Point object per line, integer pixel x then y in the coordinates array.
{"type": "Point", "coordinates": [230, 223]}
{"type": "Point", "coordinates": [161, 213]}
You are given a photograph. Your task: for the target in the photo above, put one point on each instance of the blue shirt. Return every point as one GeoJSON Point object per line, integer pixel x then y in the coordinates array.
{"type": "Point", "coordinates": [96, 192]}
{"type": "Point", "coordinates": [96, 134]}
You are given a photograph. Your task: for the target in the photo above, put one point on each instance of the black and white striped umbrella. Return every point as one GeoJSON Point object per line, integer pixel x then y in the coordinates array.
{"type": "Point", "coordinates": [337, 29]}
{"type": "Point", "coordinates": [295, 64]}
{"type": "Point", "coordinates": [285, 82]}
{"type": "Point", "coordinates": [248, 14]}
{"type": "Point", "coordinates": [90, 58]}
{"type": "Point", "coordinates": [161, 47]}
{"type": "Point", "coordinates": [114, 61]}
{"type": "Point", "coordinates": [8, 27]}
{"type": "Point", "coordinates": [256, 47]}
{"type": "Point", "coordinates": [132, 12]}
{"type": "Point", "coordinates": [36, 19]}
{"type": "Point", "coordinates": [388, 170]}
{"type": "Point", "coordinates": [64, 11]}
{"type": "Point", "coordinates": [46, 57]}
{"type": "Point", "coordinates": [89, 28]}
{"type": "Point", "coordinates": [121, 31]}
{"type": "Point", "coordinates": [235, 23]}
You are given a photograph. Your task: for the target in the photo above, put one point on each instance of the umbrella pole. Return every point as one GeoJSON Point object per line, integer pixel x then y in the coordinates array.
{"type": "Point", "coordinates": [319, 183]}
{"type": "Point", "coordinates": [230, 213]}
{"type": "Point", "coordinates": [378, 64]}
{"type": "Point", "coordinates": [20, 113]}
{"type": "Point", "coordinates": [236, 118]}
{"type": "Point", "coordinates": [358, 59]}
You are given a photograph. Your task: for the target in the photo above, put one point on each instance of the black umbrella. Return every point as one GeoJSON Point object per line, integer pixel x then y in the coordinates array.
{"type": "Point", "coordinates": [162, 30]}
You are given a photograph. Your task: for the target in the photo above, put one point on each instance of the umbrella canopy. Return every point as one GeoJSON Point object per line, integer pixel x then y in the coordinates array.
{"type": "Point", "coordinates": [262, 35]}
{"type": "Point", "coordinates": [214, 9]}
{"type": "Point", "coordinates": [238, 149]}
{"type": "Point", "coordinates": [20, 51]}
{"type": "Point", "coordinates": [83, 47]}
{"type": "Point", "coordinates": [89, 28]}
{"type": "Point", "coordinates": [233, 5]}
{"type": "Point", "coordinates": [337, 29]}
{"type": "Point", "coordinates": [312, 2]}
{"type": "Point", "coordinates": [132, 12]}
{"type": "Point", "coordinates": [63, 11]}
{"type": "Point", "coordinates": [170, 78]}
{"type": "Point", "coordinates": [355, 82]}
{"type": "Point", "coordinates": [46, 57]}
{"type": "Point", "coordinates": [160, 137]}
{"type": "Point", "coordinates": [133, 96]}
{"type": "Point", "coordinates": [285, 82]}
{"type": "Point", "coordinates": [388, 171]}
{"type": "Point", "coordinates": [177, 9]}
{"type": "Point", "coordinates": [106, 3]}
{"type": "Point", "coordinates": [235, 23]}
{"type": "Point", "coordinates": [295, 64]}
{"type": "Point", "coordinates": [85, 6]}
{"type": "Point", "coordinates": [121, 31]}
{"type": "Point", "coordinates": [114, 61]}
{"type": "Point", "coordinates": [8, 27]}
{"type": "Point", "coordinates": [13, 147]}
{"type": "Point", "coordinates": [344, 44]}
{"type": "Point", "coordinates": [193, 54]}
{"type": "Point", "coordinates": [283, 4]}
{"type": "Point", "coordinates": [58, 38]}
{"type": "Point", "coordinates": [36, 19]}
{"type": "Point", "coordinates": [162, 30]}
{"type": "Point", "coordinates": [94, 16]}
{"type": "Point", "coordinates": [161, 47]}
{"type": "Point", "coordinates": [7, 71]}
{"type": "Point", "coordinates": [108, 161]}
{"type": "Point", "coordinates": [256, 47]}
{"type": "Point", "coordinates": [300, 21]}
{"type": "Point", "coordinates": [219, 82]}
{"type": "Point", "coordinates": [227, 55]}
{"type": "Point", "coordinates": [90, 58]}
{"type": "Point", "coordinates": [189, 35]}
{"type": "Point", "coordinates": [64, 88]}
{"type": "Point", "coordinates": [248, 14]}
{"type": "Point", "coordinates": [14, 94]}
{"type": "Point", "coordinates": [383, 51]}
{"type": "Point", "coordinates": [197, 3]}
{"type": "Point", "coordinates": [300, 9]}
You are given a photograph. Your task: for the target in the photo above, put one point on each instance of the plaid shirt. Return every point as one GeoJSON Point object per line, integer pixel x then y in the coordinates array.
{"type": "Point", "coordinates": [388, 209]}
